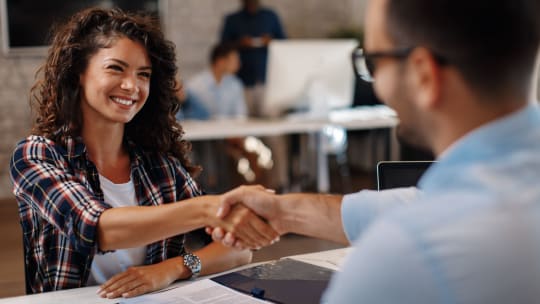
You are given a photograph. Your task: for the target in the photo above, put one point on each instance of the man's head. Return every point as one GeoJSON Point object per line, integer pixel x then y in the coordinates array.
{"type": "Point", "coordinates": [225, 58]}
{"type": "Point", "coordinates": [251, 6]}
{"type": "Point", "coordinates": [450, 50]}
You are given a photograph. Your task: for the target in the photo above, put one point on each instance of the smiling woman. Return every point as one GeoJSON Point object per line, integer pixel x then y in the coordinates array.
{"type": "Point", "coordinates": [98, 183]}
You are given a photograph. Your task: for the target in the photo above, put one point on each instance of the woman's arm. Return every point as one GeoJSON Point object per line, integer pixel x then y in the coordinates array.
{"type": "Point", "coordinates": [128, 227]}
{"type": "Point", "coordinates": [139, 280]}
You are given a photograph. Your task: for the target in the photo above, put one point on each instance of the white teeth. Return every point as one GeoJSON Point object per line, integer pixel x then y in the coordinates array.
{"type": "Point", "coordinates": [126, 102]}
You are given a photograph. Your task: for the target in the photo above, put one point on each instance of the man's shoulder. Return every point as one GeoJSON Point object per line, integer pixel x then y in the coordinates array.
{"type": "Point", "coordinates": [267, 12]}
{"type": "Point", "coordinates": [234, 15]}
{"type": "Point", "coordinates": [233, 81]}
{"type": "Point", "coordinates": [440, 209]}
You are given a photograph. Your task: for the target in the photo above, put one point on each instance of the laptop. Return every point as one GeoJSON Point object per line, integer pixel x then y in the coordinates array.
{"type": "Point", "coordinates": [396, 174]}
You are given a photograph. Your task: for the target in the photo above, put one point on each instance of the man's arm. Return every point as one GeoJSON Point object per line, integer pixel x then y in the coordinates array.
{"type": "Point", "coordinates": [385, 266]}
{"type": "Point", "coordinates": [316, 215]}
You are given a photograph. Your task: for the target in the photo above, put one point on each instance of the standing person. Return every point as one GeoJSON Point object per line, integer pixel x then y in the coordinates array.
{"type": "Point", "coordinates": [103, 184]}
{"type": "Point", "coordinates": [473, 234]}
{"type": "Point", "coordinates": [251, 29]}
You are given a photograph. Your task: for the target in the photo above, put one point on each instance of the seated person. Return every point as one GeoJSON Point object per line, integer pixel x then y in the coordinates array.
{"type": "Point", "coordinates": [104, 184]}
{"type": "Point", "coordinates": [216, 93]}
{"type": "Point", "coordinates": [190, 107]}
{"type": "Point", "coordinates": [217, 88]}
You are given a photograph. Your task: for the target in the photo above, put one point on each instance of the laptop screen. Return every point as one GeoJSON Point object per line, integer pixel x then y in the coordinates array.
{"type": "Point", "coordinates": [395, 174]}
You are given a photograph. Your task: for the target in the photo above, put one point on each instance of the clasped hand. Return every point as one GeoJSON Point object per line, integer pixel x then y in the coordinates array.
{"type": "Point", "coordinates": [262, 226]}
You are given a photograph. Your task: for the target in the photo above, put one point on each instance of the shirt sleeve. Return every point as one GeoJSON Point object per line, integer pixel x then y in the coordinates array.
{"type": "Point", "coordinates": [226, 32]}
{"type": "Point", "coordinates": [360, 209]}
{"type": "Point", "coordinates": [386, 266]}
{"type": "Point", "coordinates": [42, 180]}
{"type": "Point", "coordinates": [241, 107]}
{"type": "Point", "coordinates": [186, 186]}
{"type": "Point", "coordinates": [278, 33]}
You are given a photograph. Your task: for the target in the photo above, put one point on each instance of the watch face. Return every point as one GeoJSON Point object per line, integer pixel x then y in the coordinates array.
{"type": "Point", "coordinates": [192, 262]}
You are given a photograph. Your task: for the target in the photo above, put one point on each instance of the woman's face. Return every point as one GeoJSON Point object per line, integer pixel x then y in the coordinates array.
{"type": "Point", "coordinates": [116, 83]}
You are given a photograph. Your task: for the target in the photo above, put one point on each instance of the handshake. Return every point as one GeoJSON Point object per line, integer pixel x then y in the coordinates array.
{"type": "Point", "coordinates": [248, 217]}
{"type": "Point", "coordinates": [251, 217]}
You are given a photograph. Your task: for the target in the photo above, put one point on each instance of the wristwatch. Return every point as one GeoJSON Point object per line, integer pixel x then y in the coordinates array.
{"type": "Point", "coordinates": [193, 263]}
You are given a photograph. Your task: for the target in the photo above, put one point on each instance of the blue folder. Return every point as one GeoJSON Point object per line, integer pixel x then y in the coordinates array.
{"type": "Point", "coordinates": [284, 281]}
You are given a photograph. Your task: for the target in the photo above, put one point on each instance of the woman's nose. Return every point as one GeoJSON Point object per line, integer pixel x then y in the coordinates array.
{"type": "Point", "coordinates": [129, 83]}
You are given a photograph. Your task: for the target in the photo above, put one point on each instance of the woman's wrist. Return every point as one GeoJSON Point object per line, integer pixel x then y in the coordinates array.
{"type": "Point", "coordinates": [181, 272]}
{"type": "Point", "coordinates": [209, 209]}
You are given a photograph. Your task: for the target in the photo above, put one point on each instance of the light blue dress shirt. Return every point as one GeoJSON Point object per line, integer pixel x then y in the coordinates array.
{"type": "Point", "coordinates": [222, 100]}
{"type": "Point", "coordinates": [471, 236]}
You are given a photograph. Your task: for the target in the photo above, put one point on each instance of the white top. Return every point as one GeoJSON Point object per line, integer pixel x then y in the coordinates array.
{"type": "Point", "coordinates": [222, 100]}
{"type": "Point", "coordinates": [107, 265]}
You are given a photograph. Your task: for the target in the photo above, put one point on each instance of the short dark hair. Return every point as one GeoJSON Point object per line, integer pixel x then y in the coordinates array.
{"type": "Point", "coordinates": [221, 50]}
{"type": "Point", "coordinates": [493, 43]}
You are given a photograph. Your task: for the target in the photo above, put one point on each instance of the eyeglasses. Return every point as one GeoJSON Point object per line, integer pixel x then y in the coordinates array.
{"type": "Point", "coordinates": [364, 62]}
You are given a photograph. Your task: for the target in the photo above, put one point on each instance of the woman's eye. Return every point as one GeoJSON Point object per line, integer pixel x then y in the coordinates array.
{"type": "Point", "coordinates": [145, 74]}
{"type": "Point", "coordinates": [115, 68]}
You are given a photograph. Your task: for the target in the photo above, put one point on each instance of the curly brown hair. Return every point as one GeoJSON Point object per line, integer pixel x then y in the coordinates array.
{"type": "Point", "coordinates": [55, 96]}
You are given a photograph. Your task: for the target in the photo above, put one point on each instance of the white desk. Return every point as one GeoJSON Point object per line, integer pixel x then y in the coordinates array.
{"type": "Point", "coordinates": [368, 118]}
{"type": "Point", "coordinates": [330, 259]}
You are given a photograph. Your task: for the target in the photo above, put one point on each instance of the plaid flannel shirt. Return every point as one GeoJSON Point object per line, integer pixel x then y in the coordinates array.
{"type": "Point", "coordinates": [60, 200]}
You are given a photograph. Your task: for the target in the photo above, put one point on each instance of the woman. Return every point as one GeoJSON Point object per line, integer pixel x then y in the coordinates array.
{"type": "Point", "coordinates": [95, 179]}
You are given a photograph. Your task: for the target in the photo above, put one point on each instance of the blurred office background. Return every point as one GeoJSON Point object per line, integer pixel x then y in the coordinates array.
{"type": "Point", "coordinates": [194, 26]}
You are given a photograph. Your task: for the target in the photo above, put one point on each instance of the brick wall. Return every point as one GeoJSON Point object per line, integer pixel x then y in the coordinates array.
{"type": "Point", "coordinates": [193, 25]}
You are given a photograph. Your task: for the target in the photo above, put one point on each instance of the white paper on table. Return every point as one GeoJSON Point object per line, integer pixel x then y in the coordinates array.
{"type": "Point", "coordinates": [332, 259]}
{"type": "Point", "coordinates": [199, 292]}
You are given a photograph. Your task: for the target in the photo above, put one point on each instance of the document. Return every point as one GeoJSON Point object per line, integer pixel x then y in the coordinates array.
{"type": "Point", "coordinates": [199, 292]}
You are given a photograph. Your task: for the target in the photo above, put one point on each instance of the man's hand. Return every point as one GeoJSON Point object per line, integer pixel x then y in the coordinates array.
{"type": "Point", "coordinates": [245, 42]}
{"type": "Point", "coordinates": [246, 226]}
{"type": "Point", "coordinates": [142, 279]}
{"type": "Point", "coordinates": [261, 201]}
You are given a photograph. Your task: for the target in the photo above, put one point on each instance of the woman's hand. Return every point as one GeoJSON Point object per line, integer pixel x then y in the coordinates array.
{"type": "Point", "coordinates": [143, 279]}
{"type": "Point", "coordinates": [245, 225]}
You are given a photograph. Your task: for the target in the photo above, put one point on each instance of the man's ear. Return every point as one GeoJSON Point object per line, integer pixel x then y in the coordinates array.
{"type": "Point", "coordinates": [425, 78]}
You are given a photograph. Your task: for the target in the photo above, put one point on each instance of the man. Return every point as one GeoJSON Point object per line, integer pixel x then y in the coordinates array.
{"type": "Point", "coordinates": [217, 88]}
{"type": "Point", "coordinates": [251, 29]}
{"type": "Point", "coordinates": [459, 78]}
{"type": "Point", "coordinates": [221, 94]}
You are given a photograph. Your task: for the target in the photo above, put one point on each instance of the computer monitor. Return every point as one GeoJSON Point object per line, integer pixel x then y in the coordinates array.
{"type": "Point", "coordinates": [309, 75]}
{"type": "Point", "coordinates": [26, 24]}
{"type": "Point", "coordinates": [396, 174]}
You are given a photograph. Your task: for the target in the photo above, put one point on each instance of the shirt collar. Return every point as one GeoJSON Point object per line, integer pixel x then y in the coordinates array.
{"type": "Point", "coordinates": [497, 138]}
{"type": "Point", "coordinates": [75, 147]}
